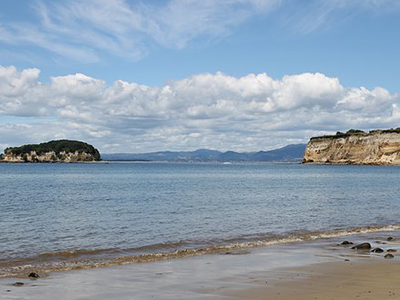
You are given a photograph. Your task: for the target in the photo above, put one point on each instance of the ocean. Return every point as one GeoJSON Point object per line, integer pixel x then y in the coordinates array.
{"type": "Point", "coordinates": [71, 216]}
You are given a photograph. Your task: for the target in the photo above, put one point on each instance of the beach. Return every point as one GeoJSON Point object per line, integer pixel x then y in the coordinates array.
{"type": "Point", "coordinates": [362, 279]}
{"type": "Point", "coordinates": [199, 150]}
{"type": "Point", "coordinates": [318, 269]}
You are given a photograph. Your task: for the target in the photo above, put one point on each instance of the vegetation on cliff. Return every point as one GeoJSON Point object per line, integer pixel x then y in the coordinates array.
{"type": "Point", "coordinates": [352, 132]}
{"type": "Point", "coordinates": [59, 147]}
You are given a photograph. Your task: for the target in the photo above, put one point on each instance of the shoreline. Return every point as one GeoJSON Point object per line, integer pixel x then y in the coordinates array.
{"type": "Point", "coordinates": [156, 161]}
{"type": "Point", "coordinates": [325, 269]}
{"type": "Point", "coordinates": [351, 164]}
{"type": "Point", "coordinates": [297, 162]}
{"type": "Point", "coordinates": [78, 259]}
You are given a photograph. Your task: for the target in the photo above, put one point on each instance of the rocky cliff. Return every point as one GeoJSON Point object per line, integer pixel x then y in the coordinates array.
{"type": "Point", "coordinates": [377, 147]}
{"type": "Point", "coordinates": [53, 151]}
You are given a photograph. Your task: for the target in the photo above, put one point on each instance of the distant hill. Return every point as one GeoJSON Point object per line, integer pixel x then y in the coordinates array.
{"type": "Point", "coordinates": [287, 153]}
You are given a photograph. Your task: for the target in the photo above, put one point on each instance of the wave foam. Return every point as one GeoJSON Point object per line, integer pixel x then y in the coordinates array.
{"type": "Point", "coordinates": [86, 259]}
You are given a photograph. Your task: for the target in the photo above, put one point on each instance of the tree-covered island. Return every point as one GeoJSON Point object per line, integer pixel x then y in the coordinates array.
{"type": "Point", "coordinates": [53, 151]}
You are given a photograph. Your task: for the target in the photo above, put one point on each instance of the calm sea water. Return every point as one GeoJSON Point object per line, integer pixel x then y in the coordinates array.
{"type": "Point", "coordinates": [60, 216]}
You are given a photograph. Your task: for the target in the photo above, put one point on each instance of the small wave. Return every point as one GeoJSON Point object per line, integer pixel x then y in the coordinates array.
{"type": "Point", "coordinates": [77, 253]}
{"type": "Point", "coordinates": [86, 259]}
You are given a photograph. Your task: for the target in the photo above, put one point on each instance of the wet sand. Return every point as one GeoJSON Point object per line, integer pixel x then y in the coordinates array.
{"type": "Point", "coordinates": [319, 269]}
{"type": "Point", "coordinates": [375, 279]}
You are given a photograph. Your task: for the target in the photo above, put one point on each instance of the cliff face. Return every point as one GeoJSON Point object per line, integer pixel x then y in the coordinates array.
{"type": "Point", "coordinates": [53, 151]}
{"type": "Point", "coordinates": [47, 157]}
{"type": "Point", "coordinates": [379, 147]}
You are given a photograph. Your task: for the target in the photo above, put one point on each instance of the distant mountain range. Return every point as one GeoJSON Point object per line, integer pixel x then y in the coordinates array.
{"type": "Point", "coordinates": [287, 153]}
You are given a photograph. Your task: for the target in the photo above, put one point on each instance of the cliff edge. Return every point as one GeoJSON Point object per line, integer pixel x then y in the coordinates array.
{"type": "Point", "coordinates": [377, 147]}
{"type": "Point", "coordinates": [53, 151]}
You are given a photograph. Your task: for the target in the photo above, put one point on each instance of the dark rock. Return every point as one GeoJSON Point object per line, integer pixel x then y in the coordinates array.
{"type": "Point", "coordinates": [238, 252]}
{"type": "Point", "coordinates": [347, 259]}
{"type": "Point", "coordinates": [33, 275]}
{"type": "Point", "coordinates": [389, 238]}
{"type": "Point", "coordinates": [18, 283]}
{"type": "Point", "coordinates": [389, 256]}
{"type": "Point", "coordinates": [362, 246]}
{"type": "Point", "coordinates": [391, 250]}
{"type": "Point", "coordinates": [345, 243]}
{"type": "Point", "coordinates": [378, 250]}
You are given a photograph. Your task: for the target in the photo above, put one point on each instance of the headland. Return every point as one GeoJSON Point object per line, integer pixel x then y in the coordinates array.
{"type": "Point", "coordinates": [376, 147]}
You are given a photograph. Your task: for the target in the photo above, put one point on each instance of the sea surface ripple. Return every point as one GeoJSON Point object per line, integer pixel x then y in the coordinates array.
{"type": "Point", "coordinates": [70, 216]}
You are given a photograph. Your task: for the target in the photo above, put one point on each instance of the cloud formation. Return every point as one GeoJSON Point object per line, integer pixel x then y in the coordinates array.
{"type": "Point", "coordinates": [203, 111]}
{"type": "Point", "coordinates": [83, 30]}
{"type": "Point", "coordinates": [91, 30]}
{"type": "Point", "coordinates": [320, 14]}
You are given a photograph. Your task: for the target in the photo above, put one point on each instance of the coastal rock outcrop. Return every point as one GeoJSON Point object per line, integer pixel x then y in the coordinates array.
{"type": "Point", "coordinates": [53, 151]}
{"type": "Point", "coordinates": [377, 147]}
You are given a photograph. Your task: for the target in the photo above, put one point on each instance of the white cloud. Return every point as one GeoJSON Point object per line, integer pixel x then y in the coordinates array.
{"type": "Point", "coordinates": [318, 14]}
{"type": "Point", "coordinates": [206, 110]}
{"type": "Point", "coordinates": [91, 30]}
{"type": "Point", "coordinates": [85, 30]}
{"type": "Point", "coordinates": [366, 3]}
{"type": "Point", "coordinates": [181, 21]}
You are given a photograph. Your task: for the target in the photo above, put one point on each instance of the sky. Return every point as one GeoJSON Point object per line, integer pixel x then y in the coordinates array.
{"type": "Point", "coordinates": [244, 75]}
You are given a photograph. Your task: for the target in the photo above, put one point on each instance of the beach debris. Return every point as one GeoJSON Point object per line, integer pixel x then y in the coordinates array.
{"type": "Point", "coordinates": [377, 250]}
{"type": "Point", "coordinates": [389, 256]}
{"type": "Point", "coordinates": [18, 283]}
{"type": "Point", "coordinates": [362, 246]}
{"type": "Point", "coordinates": [345, 243]}
{"type": "Point", "coordinates": [391, 250]}
{"type": "Point", "coordinates": [380, 242]}
{"type": "Point", "coordinates": [33, 275]}
{"type": "Point", "coordinates": [390, 238]}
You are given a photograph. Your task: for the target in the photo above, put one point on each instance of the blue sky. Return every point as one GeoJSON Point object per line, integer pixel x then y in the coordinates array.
{"type": "Point", "coordinates": [134, 76]}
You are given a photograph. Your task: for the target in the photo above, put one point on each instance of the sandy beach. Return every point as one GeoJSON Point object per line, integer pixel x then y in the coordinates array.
{"type": "Point", "coordinates": [320, 269]}
{"type": "Point", "coordinates": [374, 279]}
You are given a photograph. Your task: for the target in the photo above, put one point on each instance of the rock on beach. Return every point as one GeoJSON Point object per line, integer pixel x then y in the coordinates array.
{"type": "Point", "coordinates": [362, 246]}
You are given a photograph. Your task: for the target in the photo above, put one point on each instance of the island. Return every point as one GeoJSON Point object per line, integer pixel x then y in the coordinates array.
{"type": "Point", "coordinates": [53, 151]}
{"type": "Point", "coordinates": [376, 147]}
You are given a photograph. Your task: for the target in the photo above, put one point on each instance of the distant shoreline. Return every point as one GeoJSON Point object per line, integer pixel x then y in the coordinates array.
{"type": "Point", "coordinates": [156, 161]}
